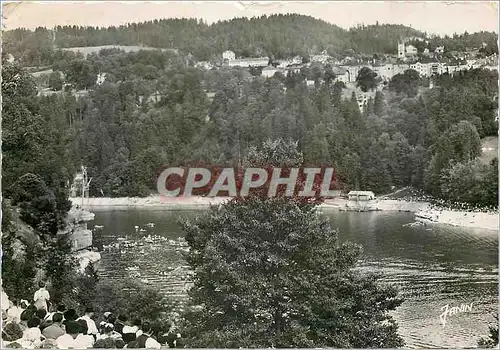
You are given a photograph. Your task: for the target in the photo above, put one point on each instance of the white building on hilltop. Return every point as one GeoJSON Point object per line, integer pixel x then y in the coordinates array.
{"type": "Point", "coordinates": [406, 50]}
{"type": "Point", "coordinates": [411, 50]}
{"type": "Point", "coordinates": [422, 69]}
{"type": "Point", "coordinates": [249, 62]}
{"type": "Point", "coordinates": [439, 50]}
{"type": "Point", "coordinates": [228, 55]}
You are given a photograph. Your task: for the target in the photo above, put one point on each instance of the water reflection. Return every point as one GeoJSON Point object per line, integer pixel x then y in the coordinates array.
{"type": "Point", "coordinates": [432, 265]}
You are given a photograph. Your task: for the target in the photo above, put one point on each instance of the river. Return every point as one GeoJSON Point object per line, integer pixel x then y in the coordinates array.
{"type": "Point", "coordinates": [433, 266]}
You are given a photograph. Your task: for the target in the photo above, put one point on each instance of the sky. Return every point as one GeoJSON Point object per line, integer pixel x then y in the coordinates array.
{"type": "Point", "coordinates": [433, 17]}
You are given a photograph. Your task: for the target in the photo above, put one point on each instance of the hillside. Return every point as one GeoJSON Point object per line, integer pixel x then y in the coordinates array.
{"type": "Point", "coordinates": [276, 35]}
{"type": "Point", "coordinates": [489, 147]}
{"type": "Point", "coordinates": [86, 50]}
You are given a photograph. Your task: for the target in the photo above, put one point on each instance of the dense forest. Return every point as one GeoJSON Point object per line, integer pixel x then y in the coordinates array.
{"type": "Point", "coordinates": [153, 110]}
{"type": "Point", "coordinates": [277, 36]}
{"type": "Point", "coordinates": [154, 107]}
{"type": "Point", "coordinates": [285, 306]}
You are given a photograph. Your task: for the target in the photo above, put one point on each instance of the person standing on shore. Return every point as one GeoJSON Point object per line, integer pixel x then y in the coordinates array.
{"type": "Point", "coordinates": [91, 327]}
{"type": "Point", "coordinates": [41, 297]}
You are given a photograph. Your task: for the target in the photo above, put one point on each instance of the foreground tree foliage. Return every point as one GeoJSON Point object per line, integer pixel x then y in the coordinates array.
{"type": "Point", "coordinates": [270, 272]}
{"type": "Point", "coordinates": [131, 297]}
{"type": "Point", "coordinates": [471, 182]}
{"type": "Point", "coordinates": [18, 257]}
{"type": "Point", "coordinates": [492, 340]}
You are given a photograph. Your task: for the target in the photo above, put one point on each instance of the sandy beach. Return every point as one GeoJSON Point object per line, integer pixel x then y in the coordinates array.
{"type": "Point", "coordinates": [481, 220]}
{"type": "Point", "coordinates": [423, 210]}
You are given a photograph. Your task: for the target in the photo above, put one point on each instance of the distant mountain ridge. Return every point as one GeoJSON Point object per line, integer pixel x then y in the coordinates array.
{"type": "Point", "coordinates": [277, 36]}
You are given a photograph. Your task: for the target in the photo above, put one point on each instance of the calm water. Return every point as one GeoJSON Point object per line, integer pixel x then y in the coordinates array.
{"type": "Point", "coordinates": [433, 265]}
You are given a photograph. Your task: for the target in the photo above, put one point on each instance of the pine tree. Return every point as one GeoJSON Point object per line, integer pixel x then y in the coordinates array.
{"type": "Point", "coordinates": [269, 272]}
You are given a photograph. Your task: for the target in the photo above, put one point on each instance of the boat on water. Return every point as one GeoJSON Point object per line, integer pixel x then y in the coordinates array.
{"type": "Point", "coordinates": [358, 209]}
{"type": "Point", "coordinates": [360, 201]}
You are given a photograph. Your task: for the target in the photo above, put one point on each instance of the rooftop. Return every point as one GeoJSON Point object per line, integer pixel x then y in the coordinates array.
{"type": "Point", "coordinates": [339, 70]}
{"type": "Point", "coordinates": [250, 59]}
{"type": "Point", "coordinates": [269, 68]}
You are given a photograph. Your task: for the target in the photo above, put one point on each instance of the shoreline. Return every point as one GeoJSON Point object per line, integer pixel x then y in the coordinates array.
{"type": "Point", "coordinates": [423, 210]}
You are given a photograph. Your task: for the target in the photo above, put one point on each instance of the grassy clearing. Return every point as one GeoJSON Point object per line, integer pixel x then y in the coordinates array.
{"type": "Point", "coordinates": [85, 50]}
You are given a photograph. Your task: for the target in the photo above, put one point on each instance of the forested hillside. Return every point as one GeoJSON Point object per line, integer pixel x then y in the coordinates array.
{"type": "Point", "coordinates": [277, 36]}
{"type": "Point", "coordinates": [153, 110]}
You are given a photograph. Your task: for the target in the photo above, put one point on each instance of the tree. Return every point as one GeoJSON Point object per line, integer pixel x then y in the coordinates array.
{"type": "Point", "coordinates": [460, 143]}
{"type": "Point", "coordinates": [18, 258]}
{"type": "Point", "coordinates": [86, 287]}
{"type": "Point", "coordinates": [55, 81]}
{"type": "Point", "coordinates": [316, 148]}
{"type": "Point", "coordinates": [337, 93]}
{"type": "Point", "coordinates": [400, 160]}
{"type": "Point", "coordinates": [37, 203]}
{"type": "Point", "coordinates": [277, 152]}
{"type": "Point", "coordinates": [21, 138]}
{"type": "Point", "coordinates": [471, 182]}
{"type": "Point", "coordinates": [366, 79]}
{"type": "Point", "coordinates": [492, 340]}
{"type": "Point", "coordinates": [379, 104]}
{"type": "Point", "coordinates": [60, 266]}
{"type": "Point", "coordinates": [406, 83]}
{"type": "Point", "coordinates": [81, 74]}
{"type": "Point", "coordinates": [131, 298]}
{"type": "Point", "coordinates": [33, 179]}
{"type": "Point", "coordinates": [329, 75]}
{"type": "Point", "coordinates": [270, 272]}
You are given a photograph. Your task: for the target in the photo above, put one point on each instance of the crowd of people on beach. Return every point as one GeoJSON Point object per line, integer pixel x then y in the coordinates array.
{"type": "Point", "coordinates": [441, 204]}
{"type": "Point", "coordinates": [41, 325]}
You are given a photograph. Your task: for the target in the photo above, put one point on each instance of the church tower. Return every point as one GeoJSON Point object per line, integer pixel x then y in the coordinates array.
{"type": "Point", "coordinates": [401, 50]}
{"type": "Point", "coordinates": [54, 30]}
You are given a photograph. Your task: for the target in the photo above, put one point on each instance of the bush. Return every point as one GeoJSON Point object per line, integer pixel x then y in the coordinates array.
{"type": "Point", "coordinates": [131, 298]}
{"type": "Point", "coordinates": [55, 81]}
{"type": "Point", "coordinates": [492, 340]}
